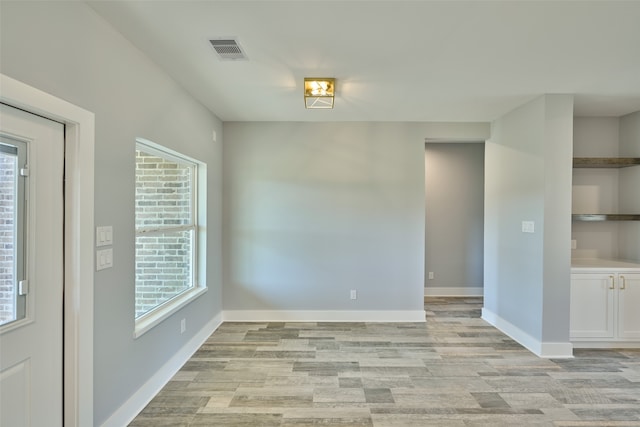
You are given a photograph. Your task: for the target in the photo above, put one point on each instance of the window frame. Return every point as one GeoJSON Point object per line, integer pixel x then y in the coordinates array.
{"type": "Point", "coordinates": [22, 311]}
{"type": "Point", "coordinates": [156, 315]}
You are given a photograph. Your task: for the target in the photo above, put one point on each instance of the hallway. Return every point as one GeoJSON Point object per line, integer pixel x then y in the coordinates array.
{"type": "Point", "coordinates": [455, 370]}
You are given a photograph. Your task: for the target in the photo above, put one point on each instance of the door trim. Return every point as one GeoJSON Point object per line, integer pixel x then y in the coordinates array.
{"type": "Point", "coordinates": [78, 249]}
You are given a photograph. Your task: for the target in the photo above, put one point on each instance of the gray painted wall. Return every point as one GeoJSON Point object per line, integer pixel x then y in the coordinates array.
{"type": "Point", "coordinates": [607, 190]}
{"type": "Point", "coordinates": [312, 210]}
{"type": "Point", "coordinates": [65, 49]}
{"type": "Point", "coordinates": [528, 178]}
{"type": "Point", "coordinates": [454, 235]}
{"type": "Point", "coordinates": [595, 190]}
{"type": "Point", "coordinates": [629, 195]}
{"type": "Point", "coordinates": [556, 249]}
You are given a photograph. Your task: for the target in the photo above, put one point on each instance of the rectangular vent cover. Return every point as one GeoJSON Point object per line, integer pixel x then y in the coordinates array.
{"type": "Point", "coordinates": [228, 49]}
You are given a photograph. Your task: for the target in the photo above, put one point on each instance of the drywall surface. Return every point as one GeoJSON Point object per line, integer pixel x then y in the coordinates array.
{"type": "Point", "coordinates": [313, 210]}
{"type": "Point", "coordinates": [558, 168]}
{"type": "Point", "coordinates": [595, 190]}
{"type": "Point", "coordinates": [528, 178]}
{"type": "Point", "coordinates": [454, 190]}
{"type": "Point", "coordinates": [629, 191]}
{"type": "Point", "coordinates": [607, 190]}
{"type": "Point", "coordinates": [65, 49]}
{"type": "Point", "coordinates": [596, 136]}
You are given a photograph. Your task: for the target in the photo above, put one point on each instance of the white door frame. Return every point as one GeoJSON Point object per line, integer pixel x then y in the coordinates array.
{"type": "Point", "coordinates": [78, 247]}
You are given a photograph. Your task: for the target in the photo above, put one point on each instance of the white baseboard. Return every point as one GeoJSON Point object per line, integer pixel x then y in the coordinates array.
{"type": "Point", "coordinates": [324, 316]}
{"type": "Point", "coordinates": [460, 291]}
{"type": "Point", "coordinates": [547, 350]}
{"type": "Point", "coordinates": [136, 403]}
{"type": "Point", "coordinates": [556, 350]}
{"type": "Point", "coordinates": [606, 344]}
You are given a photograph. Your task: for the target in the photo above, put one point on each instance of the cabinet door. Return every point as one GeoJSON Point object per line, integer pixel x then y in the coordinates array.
{"type": "Point", "coordinates": [629, 305]}
{"type": "Point", "coordinates": [592, 305]}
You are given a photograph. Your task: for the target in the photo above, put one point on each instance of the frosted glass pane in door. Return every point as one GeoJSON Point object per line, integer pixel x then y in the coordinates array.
{"type": "Point", "coordinates": [11, 305]}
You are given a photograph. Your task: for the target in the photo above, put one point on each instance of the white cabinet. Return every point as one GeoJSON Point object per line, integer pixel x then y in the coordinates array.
{"type": "Point", "coordinates": [592, 306]}
{"type": "Point", "coordinates": [605, 307]}
{"type": "Point", "coordinates": [629, 306]}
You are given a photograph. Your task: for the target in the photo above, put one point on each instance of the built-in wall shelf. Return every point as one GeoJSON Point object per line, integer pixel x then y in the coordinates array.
{"type": "Point", "coordinates": [605, 162]}
{"type": "Point", "coordinates": [605, 217]}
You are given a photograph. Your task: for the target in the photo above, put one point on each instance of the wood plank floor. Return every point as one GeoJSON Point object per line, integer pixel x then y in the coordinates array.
{"type": "Point", "coordinates": [455, 370]}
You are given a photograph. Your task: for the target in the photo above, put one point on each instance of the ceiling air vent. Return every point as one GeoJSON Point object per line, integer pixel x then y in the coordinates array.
{"type": "Point", "coordinates": [228, 49]}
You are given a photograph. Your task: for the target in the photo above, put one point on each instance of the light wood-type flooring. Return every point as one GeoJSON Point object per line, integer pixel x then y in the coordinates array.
{"type": "Point", "coordinates": [454, 370]}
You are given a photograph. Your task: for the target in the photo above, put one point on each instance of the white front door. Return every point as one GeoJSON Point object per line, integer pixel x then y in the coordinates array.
{"type": "Point", "coordinates": [31, 269]}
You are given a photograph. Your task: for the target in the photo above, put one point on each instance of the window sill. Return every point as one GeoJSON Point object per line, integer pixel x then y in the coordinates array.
{"type": "Point", "coordinates": [149, 320]}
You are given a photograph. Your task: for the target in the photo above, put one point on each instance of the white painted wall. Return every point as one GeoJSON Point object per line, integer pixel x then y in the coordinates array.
{"type": "Point", "coordinates": [528, 178]}
{"type": "Point", "coordinates": [313, 210]}
{"type": "Point", "coordinates": [65, 49]}
{"type": "Point", "coordinates": [454, 235]}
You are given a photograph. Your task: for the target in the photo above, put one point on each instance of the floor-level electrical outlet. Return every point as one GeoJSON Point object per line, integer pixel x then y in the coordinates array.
{"type": "Point", "coordinates": [354, 294]}
{"type": "Point", "coordinates": [574, 244]}
{"type": "Point", "coordinates": [431, 275]}
{"type": "Point", "coordinates": [183, 326]}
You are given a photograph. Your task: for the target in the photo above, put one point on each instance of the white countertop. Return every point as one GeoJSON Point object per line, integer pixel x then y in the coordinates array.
{"type": "Point", "coordinates": [597, 264]}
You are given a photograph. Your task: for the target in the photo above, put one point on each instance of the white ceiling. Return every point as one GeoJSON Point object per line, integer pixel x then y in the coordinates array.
{"type": "Point", "coordinates": [392, 60]}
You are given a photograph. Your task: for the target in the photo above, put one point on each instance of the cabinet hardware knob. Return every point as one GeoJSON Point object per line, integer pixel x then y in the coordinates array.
{"type": "Point", "coordinates": [622, 283]}
{"type": "Point", "coordinates": [612, 282]}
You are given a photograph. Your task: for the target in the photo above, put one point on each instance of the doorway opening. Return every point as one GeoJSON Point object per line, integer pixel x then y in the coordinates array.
{"type": "Point", "coordinates": [454, 219]}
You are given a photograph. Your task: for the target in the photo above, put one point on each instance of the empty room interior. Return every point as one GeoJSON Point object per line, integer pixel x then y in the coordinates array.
{"type": "Point", "coordinates": [296, 213]}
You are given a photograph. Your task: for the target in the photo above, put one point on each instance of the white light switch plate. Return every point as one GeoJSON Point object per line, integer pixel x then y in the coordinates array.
{"type": "Point", "coordinates": [104, 236]}
{"type": "Point", "coordinates": [528, 226]}
{"type": "Point", "coordinates": [104, 259]}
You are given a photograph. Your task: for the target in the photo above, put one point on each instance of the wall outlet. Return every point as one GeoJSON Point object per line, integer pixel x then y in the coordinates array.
{"type": "Point", "coordinates": [528, 227]}
{"type": "Point", "coordinates": [574, 244]}
{"type": "Point", "coordinates": [431, 275]}
{"type": "Point", "coordinates": [183, 326]}
{"type": "Point", "coordinates": [353, 294]}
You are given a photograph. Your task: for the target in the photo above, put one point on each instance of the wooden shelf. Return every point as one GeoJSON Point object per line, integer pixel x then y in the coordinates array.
{"type": "Point", "coordinates": [605, 162]}
{"type": "Point", "coordinates": [604, 217]}
{"type": "Point", "coordinates": [602, 163]}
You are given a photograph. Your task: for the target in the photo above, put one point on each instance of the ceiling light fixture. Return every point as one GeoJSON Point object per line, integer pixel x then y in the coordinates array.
{"type": "Point", "coordinates": [319, 92]}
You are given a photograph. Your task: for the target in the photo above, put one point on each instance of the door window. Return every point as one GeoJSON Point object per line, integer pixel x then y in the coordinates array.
{"type": "Point", "coordinates": [12, 211]}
